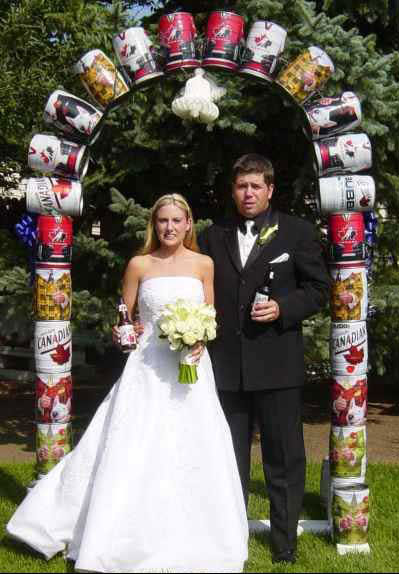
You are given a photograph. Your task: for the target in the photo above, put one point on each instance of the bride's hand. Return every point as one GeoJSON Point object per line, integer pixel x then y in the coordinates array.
{"type": "Point", "coordinates": [116, 338]}
{"type": "Point", "coordinates": [138, 328]}
{"type": "Point", "coordinates": [196, 351]}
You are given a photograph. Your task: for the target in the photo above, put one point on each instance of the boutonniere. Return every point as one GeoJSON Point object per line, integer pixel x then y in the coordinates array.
{"type": "Point", "coordinates": [267, 233]}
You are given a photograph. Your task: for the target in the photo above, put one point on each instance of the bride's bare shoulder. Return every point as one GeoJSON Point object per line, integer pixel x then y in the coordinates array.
{"type": "Point", "coordinates": [138, 265]}
{"type": "Point", "coordinates": [203, 260]}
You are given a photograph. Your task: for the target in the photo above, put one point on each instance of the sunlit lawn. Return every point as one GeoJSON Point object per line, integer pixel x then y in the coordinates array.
{"type": "Point", "coordinates": [316, 553]}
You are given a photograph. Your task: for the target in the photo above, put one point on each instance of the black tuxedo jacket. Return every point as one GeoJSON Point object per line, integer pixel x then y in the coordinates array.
{"type": "Point", "coordinates": [250, 355]}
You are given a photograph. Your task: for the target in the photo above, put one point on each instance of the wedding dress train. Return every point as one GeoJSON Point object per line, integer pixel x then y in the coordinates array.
{"type": "Point", "coordinates": [153, 484]}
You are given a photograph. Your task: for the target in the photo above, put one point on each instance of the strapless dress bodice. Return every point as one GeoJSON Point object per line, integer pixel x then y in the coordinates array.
{"type": "Point", "coordinates": [156, 292]}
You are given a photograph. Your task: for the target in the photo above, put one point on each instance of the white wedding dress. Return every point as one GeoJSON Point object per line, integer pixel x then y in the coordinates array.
{"type": "Point", "coordinates": [153, 485]}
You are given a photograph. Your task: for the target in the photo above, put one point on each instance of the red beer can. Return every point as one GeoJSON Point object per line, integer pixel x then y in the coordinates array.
{"type": "Point", "coordinates": [53, 397]}
{"type": "Point", "coordinates": [348, 400]}
{"type": "Point", "coordinates": [177, 34]}
{"type": "Point", "coordinates": [347, 237]}
{"type": "Point", "coordinates": [54, 239]}
{"type": "Point", "coordinates": [224, 38]}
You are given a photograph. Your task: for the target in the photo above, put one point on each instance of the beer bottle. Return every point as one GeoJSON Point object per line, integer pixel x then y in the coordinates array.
{"type": "Point", "coordinates": [126, 329]}
{"type": "Point", "coordinates": [263, 293]}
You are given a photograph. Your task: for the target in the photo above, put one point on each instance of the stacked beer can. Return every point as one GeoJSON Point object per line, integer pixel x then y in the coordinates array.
{"type": "Point", "coordinates": [57, 197]}
{"type": "Point", "coordinates": [223, 48]}
{"type": "Point", "coordinates": [344, 195]}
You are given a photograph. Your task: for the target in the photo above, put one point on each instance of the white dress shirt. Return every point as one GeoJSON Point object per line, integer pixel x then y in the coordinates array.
{"type": "Point", "coordinates": [246, 241]}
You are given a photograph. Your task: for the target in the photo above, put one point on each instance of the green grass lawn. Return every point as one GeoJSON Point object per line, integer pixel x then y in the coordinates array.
{"type": "Point", "coordinates": [315, 553]}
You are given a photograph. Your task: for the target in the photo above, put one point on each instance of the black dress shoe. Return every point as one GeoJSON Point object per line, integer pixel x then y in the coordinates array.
{"type": "Point", "coordinates": [286, 556]}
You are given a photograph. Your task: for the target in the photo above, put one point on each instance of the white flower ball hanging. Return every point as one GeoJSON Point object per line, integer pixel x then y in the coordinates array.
{"type": "Point", "coordinates": [197, 100]}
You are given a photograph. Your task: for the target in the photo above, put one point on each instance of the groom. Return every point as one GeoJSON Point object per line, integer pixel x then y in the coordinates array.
{"type": "Point", "coordinates": [258, 355]}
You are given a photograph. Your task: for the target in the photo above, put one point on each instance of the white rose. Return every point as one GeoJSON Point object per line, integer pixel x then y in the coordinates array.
{"type": "Point", "coordinates": [181, 326]}
{"type": "Point", "coordinates": [209, 311]}
{"type": "Point", "coordinates": [167, 327]}
{"type": "Point", "coordinates": [211, 333]}
{"type": "Point", "coordinates": [189, 339]}
{"type": "Point", "coordinates": [194, 324]}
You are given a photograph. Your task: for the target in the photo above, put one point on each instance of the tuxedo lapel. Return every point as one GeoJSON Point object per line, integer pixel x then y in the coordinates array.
{"type": "Point", "coordinates": [231, 240]}
{"type": "Point", "coordinates": [259, 249]}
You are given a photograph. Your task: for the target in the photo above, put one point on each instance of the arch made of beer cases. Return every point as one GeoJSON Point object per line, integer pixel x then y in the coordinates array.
{"type": "Point", "coordinates": [346, 196]}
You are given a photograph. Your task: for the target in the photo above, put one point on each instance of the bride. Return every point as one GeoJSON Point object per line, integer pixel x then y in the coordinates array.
{"type": "Point", "coordinates": [152, 485]}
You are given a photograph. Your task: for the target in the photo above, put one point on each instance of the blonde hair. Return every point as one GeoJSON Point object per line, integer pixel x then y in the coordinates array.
{"type": "Point", "coordinates": [151, 242]}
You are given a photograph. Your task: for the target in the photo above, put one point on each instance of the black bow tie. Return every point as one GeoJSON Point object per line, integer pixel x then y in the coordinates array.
{"type": "Point", "coordinates": [244, 228]}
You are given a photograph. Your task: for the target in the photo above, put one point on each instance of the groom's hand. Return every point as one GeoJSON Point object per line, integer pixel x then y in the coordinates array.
{"type": "Point", "coordinates": [265, 312]}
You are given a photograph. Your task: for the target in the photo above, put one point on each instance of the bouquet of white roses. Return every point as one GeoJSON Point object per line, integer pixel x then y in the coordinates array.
{"type": "Point", "coordinates": [184, 324]}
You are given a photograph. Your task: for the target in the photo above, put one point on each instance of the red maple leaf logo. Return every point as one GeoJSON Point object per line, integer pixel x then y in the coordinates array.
{"type": "Point", "coordinates": [355, 356]}
{"type": "Point", "coordinates": [364, 201]}
{"type": "Point", "coordinates": [63, 187]}
{"type": "Point", "coordinates": [61, 355]}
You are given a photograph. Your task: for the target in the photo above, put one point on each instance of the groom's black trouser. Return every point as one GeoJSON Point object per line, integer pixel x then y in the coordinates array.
{"type": "Point", "coordinates": [279, 417]}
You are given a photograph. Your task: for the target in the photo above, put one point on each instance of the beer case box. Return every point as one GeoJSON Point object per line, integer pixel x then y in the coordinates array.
{"type": "Point", "coordinates": [349, 292]}
{"type": "Point", "coordinates": [348, 452]}
{"type": "Point", "coordinates": [53, 442]}
{"type": "Point", "coordinates": [52, 294]}
{"type": "Point", "coordinates": [101, 79]}
{"type": "Point", "coordinates": [49, 154]}
{"type": "Point", "coordinates": [53, 346]}
{"type": "Point", "coordinates": [338, 483]}
{"type": "Point", "coordinates": [346, 153]}
{"type": "Point", "coordinates": [348, 400]}
{"type": "Point", "coordinates": [224, 40]}
{"type": "Point", "coordinates": [350, 514]}
{"type": "Point", "coordinates": [329, 116]}
{"type": "Point", "coordinates": [349, 348]}
{"type": "Point", "coordinates": [53, 398]}
{"type": "Point", "coordinates": [74, 117]}
{"type": "Point", "coordinates": [345, 193]}
{"type": "Point", "coordinates": [346, 233]}
{"type": "Point", "coordinates": [53, 196]}
{"type": "Point", "coordinates": [136, 55]}
{"type": "Point", "coordinates": [178, 41]}
{"type": "Point", "coordinates": [264, 45]}
{"type": "Point", "coordinates": [54, 239]}
{"type": "Point", "coordinates": [306, 74]}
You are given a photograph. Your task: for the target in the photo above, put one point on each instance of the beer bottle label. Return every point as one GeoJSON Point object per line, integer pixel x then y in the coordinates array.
{"type": "Point", "coordinates": [128, 336]}
{"type": "Point", "coordinates": [261, 298]}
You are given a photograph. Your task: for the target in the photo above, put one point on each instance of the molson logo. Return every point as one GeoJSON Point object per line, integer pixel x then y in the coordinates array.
{"type": "Point", "coordinates": [43, 193]}
{"type": "Point", "coordinates": [49, 340]}
{"type": "Point", "coordinates": [348, 348]}
{"type": "Point", "coordinates": [53, 347]}
{"type": "Point", "coordinates": [349, 338]}
{"type": "Point", "coordinates": [47, 189]}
